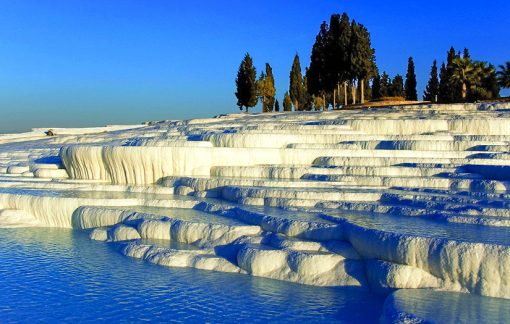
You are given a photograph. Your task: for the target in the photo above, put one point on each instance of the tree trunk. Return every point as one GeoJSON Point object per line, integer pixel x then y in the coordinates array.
{"type": "Point", "coordinates": [334, 98]}
{"type": "Point", "coordinates": [324, 102]}
{"type": "Point", "coordinates": [296, 105]}
{"type": "Point", "coordinates": [338, 92]}
{"type": "Point", "coordinates": [345, 93]}
{"type": "Point", "coordinates": [362, 91]}
{"type": "Point", "coordinates": [353, 92]}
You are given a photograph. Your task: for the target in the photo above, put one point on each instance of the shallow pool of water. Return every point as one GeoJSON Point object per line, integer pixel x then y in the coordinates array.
{"type": "Point", "coordinates": [186, 214]}
{"type": "Point", "coordinates": [426, 227]}
{"type": "Point", "coordinates": [59, 275]}
{"type": "Point", "coordinates": [65, 193]}
{"type": "Point", "coordinates": [451, 307]}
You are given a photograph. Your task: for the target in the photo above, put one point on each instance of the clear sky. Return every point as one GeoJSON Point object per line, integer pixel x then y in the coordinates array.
{"type": "Point", "coordinates": [71, 63]}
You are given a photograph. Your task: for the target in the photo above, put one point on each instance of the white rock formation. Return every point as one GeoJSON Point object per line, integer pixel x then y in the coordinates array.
{"type": "Point", "coordinates": [383, 200]}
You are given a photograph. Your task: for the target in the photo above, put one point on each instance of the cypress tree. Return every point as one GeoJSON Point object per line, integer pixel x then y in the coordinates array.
{"type": "Point", "coordinates": [465, 54]}
{"type": "Point", "coordinates": [246, 85]}
{"type": "Point", "coordinates": [276, 105]}
{"type": "Point", "coordinates": [287, 103]}
{"type": "Point", "coordinates": [261, 89]}
{"type": "Point", "coordinates": [432, 89]}
{"type": "Point", "coordinates": [362, 59]}
{"type": "Point", "coordinates": [385, 87]}
{"type": "Point", "coordinates": [271, 91]}
{"type": "Point", "coordinates": [333, 54]}
{"type": "Point", "coordinates": [266, 90]}
{"type": "Point", "coordinates": [443, 86]}
{"type": "Point", "coordinates": [410, 85]}
{"type": "Point", "coordinates": [307, 103]}
{"type": "Point", "coordinates": [397, 88]}
{"type": "Point", "coordinates": [318, 74]}
{"type": "Point", "coordinates": [337, 58]}
{"type": "Point", "coordinates": [453, 89]}
{"type": "Point", "coordinates": [335, 61]}
{"type": "Point", "coordinates": [376, 87]}
{"type": "Point", "coordinates": [296, 88]}
{"type": "Point", "coordinates": [344, 39]}
{"type": "Point", "coordinates": [354, 59]}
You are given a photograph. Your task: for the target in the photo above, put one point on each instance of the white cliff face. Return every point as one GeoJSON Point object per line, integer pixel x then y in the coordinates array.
{"type": "Point", "coordinates": [372, 200]}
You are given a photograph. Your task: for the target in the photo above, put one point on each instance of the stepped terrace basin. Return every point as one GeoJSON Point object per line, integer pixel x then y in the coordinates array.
{"type": "Point", "coordinates": [395, 212]}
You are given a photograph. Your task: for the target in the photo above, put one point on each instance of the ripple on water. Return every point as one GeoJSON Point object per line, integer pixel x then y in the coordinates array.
{"type": "Point", "coordinates": [186, 214]}
{"type": "Point", "coordinates": [59, 275]}
{"type": "Point", "coordinates": [426, 227]}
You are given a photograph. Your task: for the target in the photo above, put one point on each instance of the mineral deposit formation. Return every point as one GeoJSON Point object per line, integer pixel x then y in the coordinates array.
{"type": "Point", "coordinates": [405, 202]}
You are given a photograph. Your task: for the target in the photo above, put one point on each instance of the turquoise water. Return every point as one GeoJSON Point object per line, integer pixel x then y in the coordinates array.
{"type": "Point", "coordinates": [53, 275]}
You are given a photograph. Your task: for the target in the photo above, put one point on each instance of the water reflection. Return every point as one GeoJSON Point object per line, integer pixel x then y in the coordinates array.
{"type": "Point", "coordinates": [190, 215]}
{"type": "Point", "coordinates": [84, 194]}
{"type": "Point", "coordinates": [425, 227]}
{"type": "Point", "coordinates": [452, 307]}
{"type": "Point", "coordinates": [60, 275]}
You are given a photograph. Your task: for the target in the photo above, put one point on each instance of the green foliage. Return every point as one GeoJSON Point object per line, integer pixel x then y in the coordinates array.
{"type": "Point", "coordinates": [463, 72]}
{"type": "Point", "coordinates": [362, 57]}
{"type": "Point", "coordinates": [432, 88]}
{"type": "Point", "coordinates": [464, 79]}
{"type": "Point", "coordinates": [385, 86]}
{"type": "Point", "coordinates": [397, 87]}
{"type": "Point", "coordinates": [490, 81]}
{"type": "Point", "coordinates": [261, 89]}
{"type": "Point", "coordinates": [266, 90]}
{"type": "Point", "coordinates": [450, 90]}
{"type": "Point", "coordinates": [271, 91]}
{"type": "Point", "coordinates": [465, 54]}
{"type": "Point", "coordinates": [246, 85]}
{"type": "Point", "coordinates": [318, 75]}
{"type": "Point", "coordinates": [287, 103]}
{"type": "Point", "coordinates": [327, 98]}
{"type": "Point", "coordinates": [342, 52]}
{"type": "Point", "coordinates": [296, 87]}
{"type": "Point", "coordinates": [367, 91]}
{"type": "Point", "coordinates": [361, 53]}
{"type": "Point", "coordinates": [318, 103]}
{"type": "Point", "coordinates": [337, 55]}
{"type": "Point", "coordinates": [504, 75]}
{"type": "Point", "coordinates": [341, 94]}
{"type": "Point", "coordinates": [376, 87]}
{"type": "Point", "coordinates": [410, 85]}
{"type": "Point", "coordinates": [276, 105]}
{"type": "Point", "coordinates": [443, 85]}
{"type": "Point", "coordinates": [307, 103]}
{"type": "Point", "coordinates": [485, 83]}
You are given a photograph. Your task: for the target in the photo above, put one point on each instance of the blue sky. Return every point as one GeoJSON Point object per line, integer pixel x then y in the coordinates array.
{"type": "Point", "coordinates": [70, 63]}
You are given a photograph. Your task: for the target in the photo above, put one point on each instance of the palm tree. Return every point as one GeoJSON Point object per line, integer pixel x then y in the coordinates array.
{"type": "Point", "coordinates": [485, 84]}
{"type": "Point", "coordinates": [504, 75]}
{"type": "Point", "coordinates": [463, 71]}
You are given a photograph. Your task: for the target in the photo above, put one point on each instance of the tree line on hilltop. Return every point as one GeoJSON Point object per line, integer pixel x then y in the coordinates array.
{"type": "Point", "coordinates": [343, 71]}
{"type": "Point", "coordinates": [462, 79]}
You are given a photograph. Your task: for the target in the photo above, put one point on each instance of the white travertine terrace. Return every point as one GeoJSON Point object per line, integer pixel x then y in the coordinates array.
{"type": "Point", "coordinates": [375, 200]}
